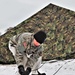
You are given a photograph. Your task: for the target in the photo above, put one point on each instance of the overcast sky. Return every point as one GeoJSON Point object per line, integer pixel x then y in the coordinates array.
{"type": "Point", "coordinates": [13, 12]}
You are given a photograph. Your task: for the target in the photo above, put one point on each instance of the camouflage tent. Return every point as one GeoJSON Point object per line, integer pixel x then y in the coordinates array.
{"type": "Point", "coordinates": [57, 22]}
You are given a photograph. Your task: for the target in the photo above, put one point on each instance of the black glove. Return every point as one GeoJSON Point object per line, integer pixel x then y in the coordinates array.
{"type": "Point", "coordinates": [28, 70]}
{"type": "Point", "coordinates": [22, 71]}
{"type": "Point", "coordinates": [41, 73]}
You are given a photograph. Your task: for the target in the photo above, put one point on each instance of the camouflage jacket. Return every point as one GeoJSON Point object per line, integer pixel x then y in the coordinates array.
{"type": "Point", "coordinates": [24, 44]}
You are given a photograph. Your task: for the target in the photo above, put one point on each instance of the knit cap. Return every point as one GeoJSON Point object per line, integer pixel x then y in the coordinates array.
{"type": "Point", "coordinates": [40, 36]}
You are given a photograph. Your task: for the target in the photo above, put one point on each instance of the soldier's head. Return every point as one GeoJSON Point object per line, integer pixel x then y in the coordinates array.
{"type": "Point", "coordinates": [39, 38]}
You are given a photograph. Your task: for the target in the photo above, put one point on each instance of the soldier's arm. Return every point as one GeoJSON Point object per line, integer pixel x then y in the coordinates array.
{"type": "Point", "coordinates": [40, 50]}
{"type": "Point", "coordinates": [22, 43]}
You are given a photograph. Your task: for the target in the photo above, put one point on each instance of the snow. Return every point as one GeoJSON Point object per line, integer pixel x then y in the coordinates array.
{"type": "Point", "coordinates": [53, 67]}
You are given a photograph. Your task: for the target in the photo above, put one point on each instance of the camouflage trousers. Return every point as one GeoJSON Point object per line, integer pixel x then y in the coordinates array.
{"type": "Point", "coordinates": [22, 59]}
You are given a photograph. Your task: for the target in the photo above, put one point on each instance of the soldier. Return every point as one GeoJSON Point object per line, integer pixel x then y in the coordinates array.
{"type": "Point", "coordinates": [27, 50]}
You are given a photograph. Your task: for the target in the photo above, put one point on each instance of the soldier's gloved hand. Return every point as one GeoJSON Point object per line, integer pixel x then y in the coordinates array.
{"type": "Point", "coordinates": [41, 73]}
{"type": "Point", "coordinates": [28, 70]}
{"type": "Point", "coordinates": [22, 71]}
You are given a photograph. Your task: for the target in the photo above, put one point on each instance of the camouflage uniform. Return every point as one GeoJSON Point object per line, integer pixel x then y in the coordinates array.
{"type": "Point", "coordinates": [28, 55]}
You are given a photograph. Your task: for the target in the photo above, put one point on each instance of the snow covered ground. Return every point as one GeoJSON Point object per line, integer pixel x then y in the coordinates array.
{"type": "Point", "coordinates": [66, 67]}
